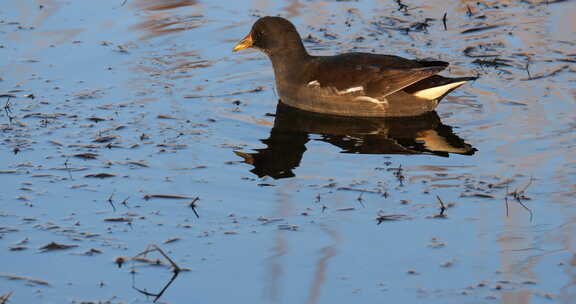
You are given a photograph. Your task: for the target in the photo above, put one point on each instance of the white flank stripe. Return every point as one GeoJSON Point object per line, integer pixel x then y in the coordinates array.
{"type": "Point", "coordinates": [351, 90]}
{"type": "Point", "coordinates": [435, 92]}
{"type": "Point", "coordinates": [314, 83]}
{"type": "Point", "coordinates": [372, 100]}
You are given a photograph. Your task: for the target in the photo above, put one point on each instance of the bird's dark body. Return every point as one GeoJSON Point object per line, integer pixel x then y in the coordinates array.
{"type": "Point", "coordinates": [351, 84]}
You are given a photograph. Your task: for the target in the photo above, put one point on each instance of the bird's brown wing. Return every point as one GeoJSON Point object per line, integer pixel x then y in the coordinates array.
{"type": "Point", "coordinates": [377, 75]}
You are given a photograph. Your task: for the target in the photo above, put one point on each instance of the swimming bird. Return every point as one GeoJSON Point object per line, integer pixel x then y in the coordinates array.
{"type": "Point", "coordinates": [350, 84]}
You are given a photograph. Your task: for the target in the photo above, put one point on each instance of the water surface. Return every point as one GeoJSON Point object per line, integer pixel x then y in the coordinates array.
{"type": "Point", "coordinates": [113, 103]}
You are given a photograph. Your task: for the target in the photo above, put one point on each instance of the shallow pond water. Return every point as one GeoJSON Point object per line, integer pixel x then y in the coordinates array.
{"type": "Point", "coordinates": [126, 124]}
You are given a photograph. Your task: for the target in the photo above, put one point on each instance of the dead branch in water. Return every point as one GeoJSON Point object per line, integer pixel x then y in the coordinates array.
{"type": "Point", "coordinates": [519, 195]}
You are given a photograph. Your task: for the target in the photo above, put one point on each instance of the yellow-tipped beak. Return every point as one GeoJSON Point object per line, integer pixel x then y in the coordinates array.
{"type": "Point", "coordinates": [243, 44]}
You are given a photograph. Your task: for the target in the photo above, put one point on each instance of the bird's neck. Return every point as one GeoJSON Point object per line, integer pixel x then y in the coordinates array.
{"type": "Point", "coordinates": [289, 64]}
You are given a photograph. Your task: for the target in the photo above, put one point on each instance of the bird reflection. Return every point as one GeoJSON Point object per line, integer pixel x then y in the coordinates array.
{"type": "Point", "coordinates": [292, 128]}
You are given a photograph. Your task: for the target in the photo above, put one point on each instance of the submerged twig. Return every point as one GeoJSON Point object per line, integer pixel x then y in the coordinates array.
{"type": "Point", "coordinates": [494, 63]}
{"type": "Point", "coordinates": [506, 199]}
{"type": "Point", "coordinates": [66, 165]}
{"type": "Point", "coordinates": [152, 248]}
{"type": "Point", "coordinates": [526, 208]}
{"type": "Point", "coordinates": [554, 72]}
{"type": "Point", "coordinates": [7, 106]}
{"type": "Point", "coordinates": [420, 26]}
{"type": "Point", "coordinates": [193, 205]}
{"type": "Point", "coordinates": [5, 297]}
{"type": "Point", "coordinates": [175, 270]}
{"type": "Point", "coordinates": [519, 195]}
{"type": "Point", "coordinates": [527, 68]}
{"type": "Point", "coordinates": [8, 110]}
{"type": "Point", "coordinates": [402, 6]}
{"type": "Point", "coordinates": [111, 201]}
{"type": "Point", "coordinates": [442, 207]}
{"type": "Point", "coordinates": [398, 173]}
{"type": "Point", "coordinates": [359, 199]}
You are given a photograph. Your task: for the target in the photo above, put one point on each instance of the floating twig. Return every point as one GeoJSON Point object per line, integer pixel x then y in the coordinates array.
{"type": "Point", "coordinates": [28, 280]}
{"type": "Point", "coordinates": [118, 219]}
{"type": "Point", "coordinates": [152, 248]}
{"type": "Point", "coordinates": [56, 246]}
{"type": "Point", "coordinates": [86, 155]}
{"type": "Point", "coordinates": [256, 89]}
{"type": "Point", "coordinates": [167, 196]}
{"type": "Point", "coordinates": [480, 28]}
{"type": "Point", "coordinates": [100, 175]}
{"type": "Point", "coordinates": [389, 217]}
